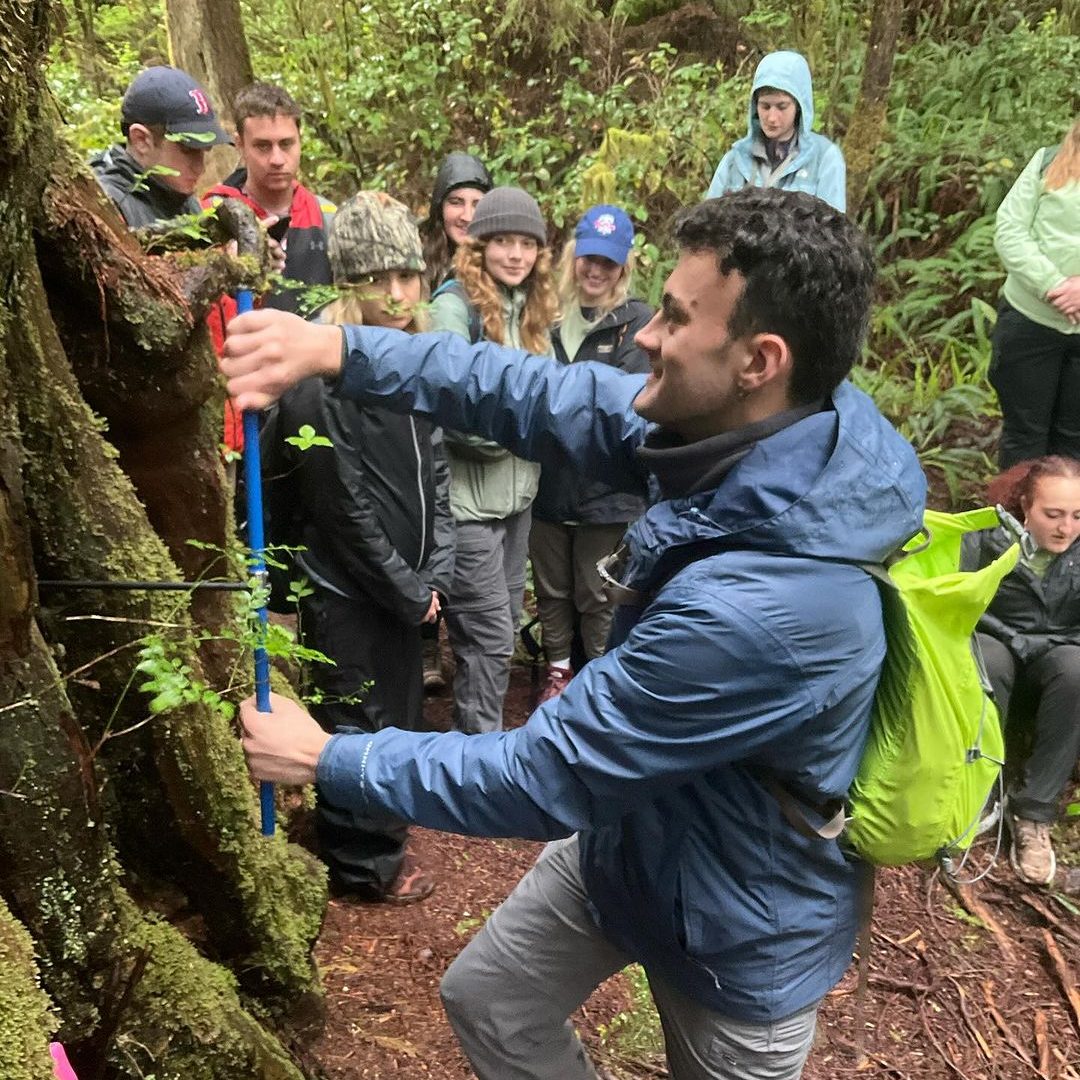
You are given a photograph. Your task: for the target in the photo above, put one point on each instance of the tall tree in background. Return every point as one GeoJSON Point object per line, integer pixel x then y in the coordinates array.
{"type": "Point", "coordinates": [206, 39]}
{"type": "Point", "coordinates": [868, 118]}
{"type": "Point", "coordinates": [117, 826]}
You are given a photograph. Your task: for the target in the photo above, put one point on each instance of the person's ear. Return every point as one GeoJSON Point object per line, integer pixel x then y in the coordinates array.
{"type": "Point", "coordinates": [140, 140]}
{"type": "Point", "coordinates": [768, 363]}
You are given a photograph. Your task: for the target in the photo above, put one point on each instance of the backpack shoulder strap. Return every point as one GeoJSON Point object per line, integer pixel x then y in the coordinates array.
{"type": "Point", "coordinates": [1048, 156]}
{"type": "Point", "coordinates": [453, 287]}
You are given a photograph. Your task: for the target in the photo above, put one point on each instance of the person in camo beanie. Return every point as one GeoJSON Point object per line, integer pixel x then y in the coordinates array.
{"type": "Point", "coordinates": [371, 517]}
{"type": "Point", "coordinates": [373, 233]}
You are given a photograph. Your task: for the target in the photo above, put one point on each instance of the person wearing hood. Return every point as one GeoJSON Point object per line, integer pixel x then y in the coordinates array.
{"type": "Point", "coordinates": [461, 182]}
{"type": "Point", "coordinates": [745, 652]}
{"type": "Point", "coordinates": [780, 149]}
{"type": "Point", "coordinates": [168, 125]}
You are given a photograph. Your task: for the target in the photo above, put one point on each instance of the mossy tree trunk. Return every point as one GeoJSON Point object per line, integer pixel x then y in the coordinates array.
{"type": "Point", "coordinates": [109, 423]}
{"type": "Point", "coordinates": [867, 125]}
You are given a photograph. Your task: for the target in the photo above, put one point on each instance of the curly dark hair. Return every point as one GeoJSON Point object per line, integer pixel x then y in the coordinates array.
{"type": "Point", "coordinates": [809, 277]}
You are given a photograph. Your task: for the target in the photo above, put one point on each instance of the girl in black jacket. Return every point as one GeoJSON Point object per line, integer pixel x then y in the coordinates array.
{"type": "Point", "coordinates": [1030, 639]}
{"type": "Point", "coordinates": [371, 512]}
{"type": "Point", "coordinates": [577, 521]}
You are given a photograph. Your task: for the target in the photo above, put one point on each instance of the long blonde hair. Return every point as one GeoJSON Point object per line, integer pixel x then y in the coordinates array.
{"type": "Point", "coordinates": [567, 283]}
{"type": "Point", "coordinates": [483, 291]}
{"type": "Point", "coordinates": [1066, 164]}
{"type": "Point", "coordinates": [349, 309]}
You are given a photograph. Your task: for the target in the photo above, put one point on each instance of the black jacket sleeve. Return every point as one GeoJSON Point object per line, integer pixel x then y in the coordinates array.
{"type": "Point", "coordinates": [439, 569]}
{"type": "Point", "coordinates": [629, 356]}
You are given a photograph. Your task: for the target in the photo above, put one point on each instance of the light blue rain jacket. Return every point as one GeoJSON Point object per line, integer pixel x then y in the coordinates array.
{"type": "Point", "coordinates": [818, 168]}
{"type": "Point", "coordinates": [760, 657]}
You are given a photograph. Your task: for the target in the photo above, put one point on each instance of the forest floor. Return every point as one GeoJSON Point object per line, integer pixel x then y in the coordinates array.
{"type": "Point", "coordinates": [972, 984]}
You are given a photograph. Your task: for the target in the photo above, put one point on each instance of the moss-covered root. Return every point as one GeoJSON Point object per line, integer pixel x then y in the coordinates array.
{"type": "Point", "coordinates": [26, 1024]}
{"type": "Point", "coordinates": [185, 1021]}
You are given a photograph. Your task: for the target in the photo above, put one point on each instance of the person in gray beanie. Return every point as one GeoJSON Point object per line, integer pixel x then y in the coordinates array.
{"type": "Point", "coordinates": [502, 291]}
{"type": "Point", "coordinates": [462, 181]}
{"type": "Point", "coordinates": [370, 515]}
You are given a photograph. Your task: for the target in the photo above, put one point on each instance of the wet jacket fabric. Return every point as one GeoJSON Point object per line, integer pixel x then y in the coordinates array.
{"type": "Point", "coordinates": [1029, 615]}
{"type": "Point", "coordinates": [818, 165]}
{"type": "Point", "coordinates": [566, 495]}
{"type": "Point", "coordinates": [488, 482]}
{"type": "Point", "coordinates": [372, 511]}
{"type": "Point", "coordinates": [763, 656]}
{"type": "Point", "coordinates": [1037, 235]}
{"type": "Point", "coordinates": [306, 260]}
{"type": "Point", "coordinates": [141, 199]}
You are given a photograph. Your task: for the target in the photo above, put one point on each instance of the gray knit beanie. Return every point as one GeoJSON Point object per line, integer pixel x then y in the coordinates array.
{"type": "Point", "coordinates": [508, 210]}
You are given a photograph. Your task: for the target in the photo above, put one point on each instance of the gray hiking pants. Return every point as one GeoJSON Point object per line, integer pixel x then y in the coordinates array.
{"type": "Point", "coordinates": [510, 993]}
{"type": "Point", "coordinates": [483, 614]}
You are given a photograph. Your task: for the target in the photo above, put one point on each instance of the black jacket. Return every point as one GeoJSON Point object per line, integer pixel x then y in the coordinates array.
{"type": "Point", "coordinates": [1029, 615]}
{"type": "Point", "coordinates": [141, 199]}
{"type": "Point", "coordinates": [565, 495]}
{"type": "Point", "coordinates": [372, 511]}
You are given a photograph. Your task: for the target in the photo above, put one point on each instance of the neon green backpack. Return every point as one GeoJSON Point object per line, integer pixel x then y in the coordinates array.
{"type": "Point", "coordinates": [935, 748]}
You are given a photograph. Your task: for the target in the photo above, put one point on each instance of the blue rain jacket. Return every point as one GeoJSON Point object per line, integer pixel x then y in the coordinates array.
{"type": "Point", "coordinates": [818, 167]}
{"type": "Point", "coordinates": [761, 657]}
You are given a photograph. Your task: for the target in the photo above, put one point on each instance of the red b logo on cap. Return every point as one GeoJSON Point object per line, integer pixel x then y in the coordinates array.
{"type": "Point", "coordinates": [202, 106]}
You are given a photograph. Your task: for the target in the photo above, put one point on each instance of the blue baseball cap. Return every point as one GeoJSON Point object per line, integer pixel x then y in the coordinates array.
{"type": "Point", "coordinates": [607, 231]}
{"type": "Point", "coordinates": [170, 98]}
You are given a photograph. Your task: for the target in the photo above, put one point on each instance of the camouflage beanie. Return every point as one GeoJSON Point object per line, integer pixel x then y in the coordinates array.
{"type": "Point", "coordinates": [370, 233]}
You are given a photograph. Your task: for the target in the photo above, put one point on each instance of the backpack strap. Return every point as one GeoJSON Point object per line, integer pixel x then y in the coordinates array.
{"type": "Point", "coordinates": [1049, 153]}
{"type": "Point", "coordinates": [453, 287]}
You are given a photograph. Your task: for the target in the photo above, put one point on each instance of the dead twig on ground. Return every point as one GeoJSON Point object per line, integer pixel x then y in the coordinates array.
{"type": "Point", "coordinates": [938, 1047]}
{"type": "Point", "coordinates": [1058, 923]}
{"type": "Point", "coordinates": [1064, 974]}
{"type": "Point", "coordinates": [1042, 1042]}
{"type": "Point", "coordinates": [1003, 1025]}
{"type": "Point", "coordinates": [974, 906]}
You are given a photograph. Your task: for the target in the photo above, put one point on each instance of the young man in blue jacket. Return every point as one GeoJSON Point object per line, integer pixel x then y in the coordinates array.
{"type": "Point", "coordinates": [745, 654]}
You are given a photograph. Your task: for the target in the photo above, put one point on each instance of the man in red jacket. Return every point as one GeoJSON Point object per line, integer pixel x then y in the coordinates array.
{"type": "Point", "coordinates": [268, 141]}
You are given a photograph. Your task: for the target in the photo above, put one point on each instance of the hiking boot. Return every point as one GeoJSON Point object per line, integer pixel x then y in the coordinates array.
{"type": "Point", "coordinates": [1031, 853]}
{"type": "Point", "coordinates": [554, 683]}
{"type": "Point", "coordinates": [410, 886]}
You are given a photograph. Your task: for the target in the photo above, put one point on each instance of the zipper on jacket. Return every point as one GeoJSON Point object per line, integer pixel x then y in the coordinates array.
{"type": "Point", "coordinates": [420, 492]}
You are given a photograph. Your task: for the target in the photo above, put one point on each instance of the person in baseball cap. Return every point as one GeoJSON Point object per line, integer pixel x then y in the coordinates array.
{"type": "Point", "coordinates": [168, 124]}
{"type": "Point", "coordinates": [370, 514]}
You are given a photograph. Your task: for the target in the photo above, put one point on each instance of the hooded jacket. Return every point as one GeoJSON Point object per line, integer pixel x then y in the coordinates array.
{"type": "Point", "coordinates": [817, 166]}
{"type": "Point", "coordinates": [762, 656]}
{"type": "Point", "coordinates": [371, 512]}
{"type": "Point", "coordinates": [567, 495]}
{"type": "Point", "coordinates": [1029, 615]}
{"type": "Point", "coordinates": [459, 170]}
{"type": "Point", "coordinates": [141, 199]}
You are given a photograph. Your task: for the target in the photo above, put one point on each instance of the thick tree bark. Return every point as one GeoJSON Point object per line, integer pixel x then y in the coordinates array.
{"type": "Point", "coordinates": [86, 317]}
{"type": "Point", "coordinates": [868, 120]}
{"type": "Point", "coordinates": [206, 39]}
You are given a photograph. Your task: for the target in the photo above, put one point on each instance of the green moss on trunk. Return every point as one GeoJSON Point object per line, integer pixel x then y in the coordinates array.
{"type": "Point", "coordinates": [26, 1024]}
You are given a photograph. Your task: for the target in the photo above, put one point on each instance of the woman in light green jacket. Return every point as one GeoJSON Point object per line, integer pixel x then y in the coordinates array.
{"type": "Point", "coordinates": [1035, 367]}
{"type": "Point", "coordinates": [502, 291]}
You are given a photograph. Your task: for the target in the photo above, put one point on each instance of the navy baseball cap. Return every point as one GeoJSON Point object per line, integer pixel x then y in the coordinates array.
{"type": "Point", "coordinates": [170, 98]}
{"type": "Point", "coordinates": [607, 231]}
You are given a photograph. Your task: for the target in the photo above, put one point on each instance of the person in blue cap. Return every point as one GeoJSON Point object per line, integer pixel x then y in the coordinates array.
{"type": "Point", "coordinates": [779, 149]}
{"type": "Point", "coordinates": [168, 124]}
{"type": "Point", "coordinates": [577, 520]}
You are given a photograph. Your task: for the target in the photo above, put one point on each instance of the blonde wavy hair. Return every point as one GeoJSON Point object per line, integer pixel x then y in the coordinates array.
{"type": "Point", "coordinates": [349, 308]}
{"type": "Point", "coordinates": [541, 307]}
{"type": "Point", "coordinates": [1066, 165]}
{"type": "Point", "coordinates": [567, 283]}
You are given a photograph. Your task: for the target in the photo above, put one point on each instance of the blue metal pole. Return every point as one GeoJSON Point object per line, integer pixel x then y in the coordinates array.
{"type": "Point", "coordinates": [257, 544]}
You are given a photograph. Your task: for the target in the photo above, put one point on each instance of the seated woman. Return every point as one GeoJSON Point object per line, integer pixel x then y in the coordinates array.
{"type": "Point", "coordinates": [372, 513]}
{"type": "Point", "coordinates": [577, 521]}
{"type": "Point", "coordinates": [1030, 639]}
